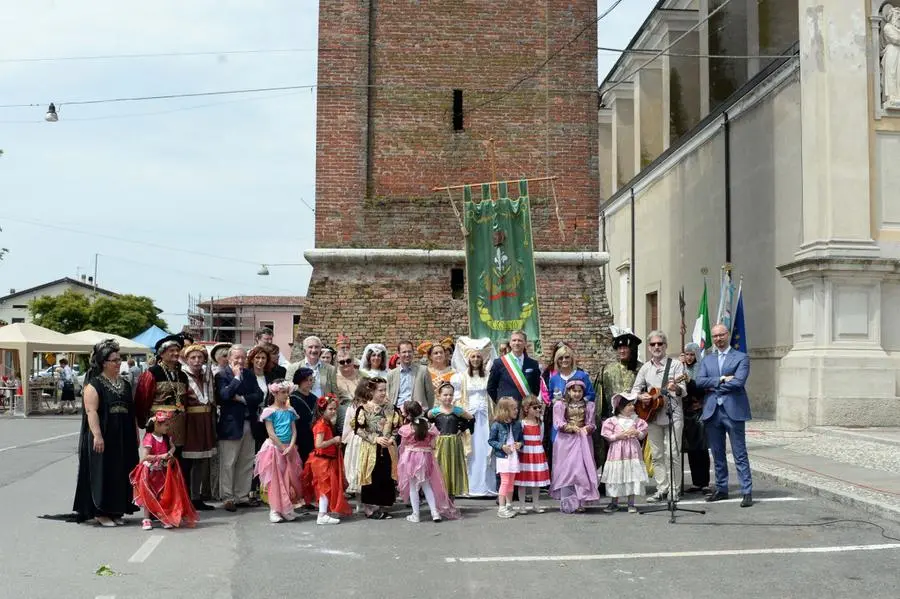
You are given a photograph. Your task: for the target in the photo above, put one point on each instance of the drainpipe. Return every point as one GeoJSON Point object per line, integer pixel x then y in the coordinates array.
{"type": "Point", "coordinates": [727, 189]}
{"type": "Point", "coordinates": [632, 278]}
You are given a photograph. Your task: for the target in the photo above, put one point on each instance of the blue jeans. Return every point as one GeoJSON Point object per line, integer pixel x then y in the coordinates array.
{"type": "Point", "coordinates": [716, 427]}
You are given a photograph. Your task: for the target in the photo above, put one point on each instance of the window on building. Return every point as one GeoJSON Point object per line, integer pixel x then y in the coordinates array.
{"type": "Point", "coordinates": [457, 283]}
{"type": "Point", "coordinates": [18, 320]}
{"type": "Point", "coordinates": [20, 306]}
{"type": "Point", "coordinates": [457, 110]}
{"type": "Point", "coordinates": [267, 324]}
{"type": "Point", "coordinates": [652, 311]}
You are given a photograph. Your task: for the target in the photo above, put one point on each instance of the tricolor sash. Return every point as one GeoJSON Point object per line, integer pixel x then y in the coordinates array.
{"type": "Point", "coordinates": [515, 373]}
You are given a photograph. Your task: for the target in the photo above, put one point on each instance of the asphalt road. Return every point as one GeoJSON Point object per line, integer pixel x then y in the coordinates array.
{"type": "Point", "coordinates": [756, 552]}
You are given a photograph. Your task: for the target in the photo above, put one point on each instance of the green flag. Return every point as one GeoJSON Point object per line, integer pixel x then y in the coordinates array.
{"type": "Point", "coordinates": [701, 335]}
{"type": "Point", "coordinates": [500, 265]}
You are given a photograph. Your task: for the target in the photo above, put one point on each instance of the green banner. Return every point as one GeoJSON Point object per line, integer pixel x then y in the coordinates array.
{"type": "Point", "coordinates": [500, 265]}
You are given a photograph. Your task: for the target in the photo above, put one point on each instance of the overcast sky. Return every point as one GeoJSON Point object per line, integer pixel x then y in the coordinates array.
{"type": "Point", "coordinates": [216, 181]}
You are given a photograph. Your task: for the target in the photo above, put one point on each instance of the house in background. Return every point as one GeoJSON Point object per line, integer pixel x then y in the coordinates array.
{"type": "Point", "coordinates": [236, 319]}
{"type": "Point", "coordinates": [14, 307]}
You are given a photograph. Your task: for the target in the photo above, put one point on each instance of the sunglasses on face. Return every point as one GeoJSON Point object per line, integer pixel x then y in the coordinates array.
{"type": "Point", "coordinates": [345, 362]}
{"type": "Point", "coordinates": [657, 344]}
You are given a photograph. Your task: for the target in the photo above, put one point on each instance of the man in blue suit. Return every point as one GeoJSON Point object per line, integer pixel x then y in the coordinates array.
{"type": "Point", "coordinates": [521, 373]}
{"type": "Point", "coordinates": [723, 374]}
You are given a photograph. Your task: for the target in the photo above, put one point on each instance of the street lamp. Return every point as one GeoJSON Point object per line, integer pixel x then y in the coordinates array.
{"type": "Point", "coordinates": [264, 268]}
{"type": "Point", "coordinates": [51, 116]}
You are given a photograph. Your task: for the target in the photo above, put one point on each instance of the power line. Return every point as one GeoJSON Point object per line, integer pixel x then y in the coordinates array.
{"type": "Point", "coordinates": [549, 58]}
{"type": "Point", "coordinates": [70, 229]}
{"type": "Point", "coordinates": [626, 78]}
{"type": "Point", "coordinates": [684, 55]}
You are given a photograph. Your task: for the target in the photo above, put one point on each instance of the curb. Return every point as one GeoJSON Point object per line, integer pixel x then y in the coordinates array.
{"type": "Point", "coordinates": [856, 436]}
{"type": "Point", "coordinates": [861, 499]}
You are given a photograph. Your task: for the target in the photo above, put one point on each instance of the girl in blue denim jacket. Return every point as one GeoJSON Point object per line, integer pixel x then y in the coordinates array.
{"type": "Point", "coordinates": [506, 439]}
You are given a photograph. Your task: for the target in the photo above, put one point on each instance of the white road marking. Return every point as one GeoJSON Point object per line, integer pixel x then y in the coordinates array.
{"type": "Point", "coordinates": [737, 499]}
{"type": "Point", "coordinates": [38, 442]}
{"type": "Point", "coordinates": [665, 554]}
{"type": "Point", "coordinates": [105, 597]}
{"type": "Point", "coordinates": [141, 555]}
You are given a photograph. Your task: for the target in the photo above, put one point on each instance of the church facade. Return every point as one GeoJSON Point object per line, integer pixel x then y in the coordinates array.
{"type": "Point", "coordinates": [764, 136]}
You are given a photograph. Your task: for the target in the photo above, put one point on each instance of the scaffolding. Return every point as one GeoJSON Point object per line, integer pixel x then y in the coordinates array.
{"type": "Point", "coordinates": [220, 319]}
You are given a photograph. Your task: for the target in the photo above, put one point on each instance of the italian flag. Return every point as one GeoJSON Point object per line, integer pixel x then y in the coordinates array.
{"type": "Point", "coordinates": [701, 335]}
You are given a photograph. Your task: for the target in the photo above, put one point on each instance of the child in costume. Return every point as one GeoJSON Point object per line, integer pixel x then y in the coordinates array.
{"type": "Point", "coordinates": [450, 421]}
{"type": "Point", "coordinates": [624, 472]}
{"type": "Point", "coordinates": [417, 468]}
{"type": "Point", "coordinates": [278, 463]}
{"type": "Point", "coordinates": [574, 478]}
{"type": "Point", "coordinates": [352, 440]}
{"type": "Point", "coordinates": [159, 487]}
{"type": "Point", "coordinates": [533, 470]}
{"type": "Point", "coordinates": [323, 475]}
{"type": "Point", "coordinates": [506, 439]}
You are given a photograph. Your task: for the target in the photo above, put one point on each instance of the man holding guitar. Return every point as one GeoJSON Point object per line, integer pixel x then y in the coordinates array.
{"type": "Point", "coordinates": [658, 377]}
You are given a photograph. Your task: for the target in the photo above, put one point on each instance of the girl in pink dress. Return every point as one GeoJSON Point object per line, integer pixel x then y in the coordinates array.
{"type": "Point", "coordinates": [533, 471]}
{"type": "Point", "coordinates": [574, 474]}
{"type": "Point", "coordinates": [159, 487]}
{"type": "Point", "coordinates": [624, 472]}
{"type": "Point", "coordinates": [417, 469]}
{"type": "Point", "coordinates": [278, 464]}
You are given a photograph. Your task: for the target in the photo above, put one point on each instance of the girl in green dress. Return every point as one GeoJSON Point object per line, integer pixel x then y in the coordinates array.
{"type": "Point", "coordinates": [451, 421]}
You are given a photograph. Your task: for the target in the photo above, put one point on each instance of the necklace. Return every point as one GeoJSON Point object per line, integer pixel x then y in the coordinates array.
{"type": "Point", "coordinates": [116, 385]}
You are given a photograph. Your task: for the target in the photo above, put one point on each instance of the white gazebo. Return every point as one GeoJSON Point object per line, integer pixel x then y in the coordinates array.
{"type": "Point", "coordinates": [26, 339]}
{"type": "Point", "coordinates": [127, 346]}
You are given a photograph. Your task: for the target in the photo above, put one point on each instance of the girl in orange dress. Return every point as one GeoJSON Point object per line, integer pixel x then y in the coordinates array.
{"type": "Point", "coordinates": [323, 475]}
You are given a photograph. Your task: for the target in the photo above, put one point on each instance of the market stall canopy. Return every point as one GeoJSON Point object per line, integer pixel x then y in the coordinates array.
{"type": "Point", "coordinates": [26, 339]}
{"type": "Point", "coordinates": [126, 346]}
{"type": "Point", "coordinates": [150, 336]}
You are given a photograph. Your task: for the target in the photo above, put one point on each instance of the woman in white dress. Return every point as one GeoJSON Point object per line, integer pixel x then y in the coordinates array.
{"type": "Point", "coordinates": [374, 361]}
{"type": "Point", "coordinates": [472, 360]}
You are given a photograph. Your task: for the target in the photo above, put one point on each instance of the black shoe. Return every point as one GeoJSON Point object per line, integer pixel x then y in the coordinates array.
{"type": "Point", "coordinates": [201, 506]}
{"type": "Point", "coordinates": [717, 496]}
{"type": "Point", "coordinates": [747, 500]}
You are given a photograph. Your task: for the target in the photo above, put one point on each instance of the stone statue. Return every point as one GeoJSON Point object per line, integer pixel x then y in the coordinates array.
{"type": "Point", "coordinates": [890, 56]}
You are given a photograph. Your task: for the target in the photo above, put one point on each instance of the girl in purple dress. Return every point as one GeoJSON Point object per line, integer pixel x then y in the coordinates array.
{"type": "Point", "coordinates": [624, 472]}
{"type": "Point", "coordinates": [574, 474]}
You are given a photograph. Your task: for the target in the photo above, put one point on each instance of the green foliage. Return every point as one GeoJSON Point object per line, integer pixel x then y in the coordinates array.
{"type": "Point", "coordinates": [66, 313]}
{"type": "Point", "coordinates": [678, 118]}
{"type": "Point", "coordinates": [126, 315]}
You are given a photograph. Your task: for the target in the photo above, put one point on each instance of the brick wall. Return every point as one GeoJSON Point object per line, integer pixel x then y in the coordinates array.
{"type": "Point", "coordinates": [382, 148]}
{"type": "Point", "coordinates": [388, 304]}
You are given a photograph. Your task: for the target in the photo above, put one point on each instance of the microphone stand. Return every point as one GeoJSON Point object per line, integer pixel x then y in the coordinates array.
{"type": "Point", "coordinates": [672, 503]}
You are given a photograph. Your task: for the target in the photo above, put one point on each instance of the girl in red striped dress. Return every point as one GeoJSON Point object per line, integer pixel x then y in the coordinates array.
{"type": "Point", "coordinates": [533, 470]}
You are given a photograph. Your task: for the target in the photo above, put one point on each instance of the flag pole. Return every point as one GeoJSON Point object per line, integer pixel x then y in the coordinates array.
{"type": "Point", "coordinates": [740, 289]}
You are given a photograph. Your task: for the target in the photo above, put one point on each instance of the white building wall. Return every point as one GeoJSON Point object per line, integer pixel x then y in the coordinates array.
{"type": "Point", "coordinates": [16, 307]}
{"type": "Point", "coordinates": [680, 229]}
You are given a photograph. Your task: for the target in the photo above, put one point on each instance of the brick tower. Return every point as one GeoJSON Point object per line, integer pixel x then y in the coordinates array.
{"type": "Point", "coordinates": [410, 93]}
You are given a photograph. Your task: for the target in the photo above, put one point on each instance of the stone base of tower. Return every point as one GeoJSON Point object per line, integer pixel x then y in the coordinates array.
{"type": "Point", "coordinates": [388, 295]}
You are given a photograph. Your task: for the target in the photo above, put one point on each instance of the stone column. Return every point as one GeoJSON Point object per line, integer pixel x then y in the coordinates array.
{"type": "Point", "coordinates": [651, 113]}
{"type": "Point", "coordinates": [621, 99]}
{"type": "Point", "coordinates": [606, 156]}
{"type": "Point", "coordinates": [837, 371]}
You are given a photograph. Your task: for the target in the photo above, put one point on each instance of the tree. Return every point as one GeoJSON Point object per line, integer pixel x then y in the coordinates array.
{"type": "Point", "coordinates": [66, 313]}
{"type": "Point", "coordinates": [125, 315]}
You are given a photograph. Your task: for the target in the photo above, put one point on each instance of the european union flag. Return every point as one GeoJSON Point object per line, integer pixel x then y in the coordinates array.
{"type": "Point", "coordinates": [739, 332]}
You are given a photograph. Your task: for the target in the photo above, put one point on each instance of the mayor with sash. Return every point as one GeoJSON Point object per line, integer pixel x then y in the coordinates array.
{"type": "Point", "coordinates": [514, 374]}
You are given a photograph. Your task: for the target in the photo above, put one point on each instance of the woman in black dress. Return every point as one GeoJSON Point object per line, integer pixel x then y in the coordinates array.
{"type": "Point", "coordinates": [108, 446]}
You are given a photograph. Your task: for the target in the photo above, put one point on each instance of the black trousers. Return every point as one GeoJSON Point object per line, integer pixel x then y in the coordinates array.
{"type": "Point", "coordinates": [698, 460]}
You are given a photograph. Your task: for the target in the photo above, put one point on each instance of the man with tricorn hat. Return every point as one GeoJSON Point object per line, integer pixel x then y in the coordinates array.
{"type": "Point", "coordinates": [614, 379]}
{"type": "Point", "coordinates": [164, 387]}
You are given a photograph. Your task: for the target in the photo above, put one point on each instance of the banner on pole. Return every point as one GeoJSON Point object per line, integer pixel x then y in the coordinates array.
{"type": "Point", "coordinates": [500, 265]}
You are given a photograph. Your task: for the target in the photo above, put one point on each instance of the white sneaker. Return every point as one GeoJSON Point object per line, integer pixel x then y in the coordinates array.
{"type": "Point", "coordinates": [521, 509]}
{"type": "Point", "coordinates": [413, 518]}
{"type": "Point", "coordinates": [326, 519]}
{"type": "Point", "coordinates": [505, 512]}
{"type": "Point", "coordinates": [289, 516]}
{"type": "Point", "coordinates": [275, 517]}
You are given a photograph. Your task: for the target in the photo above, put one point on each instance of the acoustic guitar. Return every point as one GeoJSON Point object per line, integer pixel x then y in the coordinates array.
{"type": "Point", "coordinates": [647, 411]}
